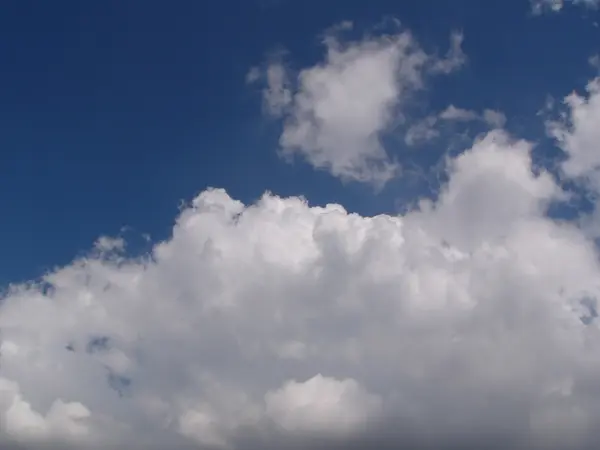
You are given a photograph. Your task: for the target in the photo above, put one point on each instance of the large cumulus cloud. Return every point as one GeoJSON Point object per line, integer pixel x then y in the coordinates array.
{"type": "Point", "coordinates": [469, 318]}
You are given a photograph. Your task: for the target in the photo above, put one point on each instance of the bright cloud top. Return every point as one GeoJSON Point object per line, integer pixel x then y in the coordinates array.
{"type": "Point", "coordinates": [472, 316]}
{"type": "Point", "coordinates": [336, 112]}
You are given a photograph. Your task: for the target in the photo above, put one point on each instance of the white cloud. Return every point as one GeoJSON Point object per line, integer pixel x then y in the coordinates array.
{"type": "Point", "coordinates": [252, 324]}
{"type": "Point", "coordinates": [107, 244]}
{"type": "Point", "coordinates": [428, 129]}
{"type": "Point", "coordinates": [494, 119]}
{"type": "Point", "coordinates": [455, 58]}
{"type": "Point", "coordinates": [322, 405]}
{"type": "Point", "coordinates": [454, 113]}
{"type": "Point", "coordinates": [422, 131]}
{"type": "Point", "coordinates": [541, 6]}
{"type": "Point", "coordinates": [335, 112]}
{"type": "Point", "coordinates": [578, 134]}
{"type": "Point", "coordinates": [278, 95]}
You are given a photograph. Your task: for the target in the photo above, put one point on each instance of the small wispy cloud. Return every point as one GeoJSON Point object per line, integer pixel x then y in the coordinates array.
{"type": "Point", "coordinates": [335, 112]}
{"type": "Point", "coordinates": [541, 6]}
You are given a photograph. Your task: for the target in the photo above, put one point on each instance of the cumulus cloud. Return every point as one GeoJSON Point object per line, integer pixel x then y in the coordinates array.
{"type": "Point", "coordinates": [468, 320]}
{"type": "Point", "coordinates": [577, 134]}
{"type": "Point", "coordinates": [322, 405]}
{"type": "Point", "coordinates": [541, 6]}
{"type": "Point", "coordinates": [335, 112]}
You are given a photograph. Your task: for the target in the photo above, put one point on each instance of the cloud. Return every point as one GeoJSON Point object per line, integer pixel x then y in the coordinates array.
{"type": "Point", "coordinates": [429, 128]}
{"type": "Point", "coordinates": [470, 320]}
{"type": "Point", "coordinates": [455, 58]}
{"type": "Point", "coordinates": [578, 134]}
{"type": "Point", "coordinates": [541, 6]}
{"type": "Point", "coordinates": [107, 244]}
{"type": "Point", "coordinates": [335, 112]}
{"type": "Point", "coordinates": [278, 95]}
{"type": "Point", "coordinates": [322, 405]}
{"type": "Point", "coordinates": [454, 113]}
{"type": "Point", "coordinates": [422, 131]}
{"type": "Point", "coordinates": [495, 119]}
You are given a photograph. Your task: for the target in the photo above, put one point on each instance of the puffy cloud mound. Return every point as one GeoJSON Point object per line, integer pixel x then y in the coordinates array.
{"type": "Point", "coordinates": [577, 134]}
{"type": "Point", "coordinates": [470, 320]}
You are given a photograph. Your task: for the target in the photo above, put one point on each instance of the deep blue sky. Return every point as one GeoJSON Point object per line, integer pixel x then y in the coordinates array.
{"type": "Point", "coordinates": [114, 111]}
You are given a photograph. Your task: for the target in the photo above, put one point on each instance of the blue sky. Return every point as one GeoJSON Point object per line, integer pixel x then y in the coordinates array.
{"type": "Point", "coordinates": [115, 111]}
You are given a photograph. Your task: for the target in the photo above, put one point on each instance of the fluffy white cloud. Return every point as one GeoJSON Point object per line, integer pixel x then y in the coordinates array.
{"type": "Point", "coordinates": [540, 6]}
{"type": "Point", "coordinates": [469, 318]}
{"type": "Point", "coordinates": [322, 405]}
{"type": "Point", "coordinates": [335, 112]}
{"type": "Point", "coordinates": [578, 134]}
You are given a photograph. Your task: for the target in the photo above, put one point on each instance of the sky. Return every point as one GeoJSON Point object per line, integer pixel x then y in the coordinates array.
{"type": "Point", "coordinates": [271, 223]}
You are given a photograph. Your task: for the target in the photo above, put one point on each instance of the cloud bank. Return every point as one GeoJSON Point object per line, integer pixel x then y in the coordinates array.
{"type": "Point", "coordinates": [471, 321]}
